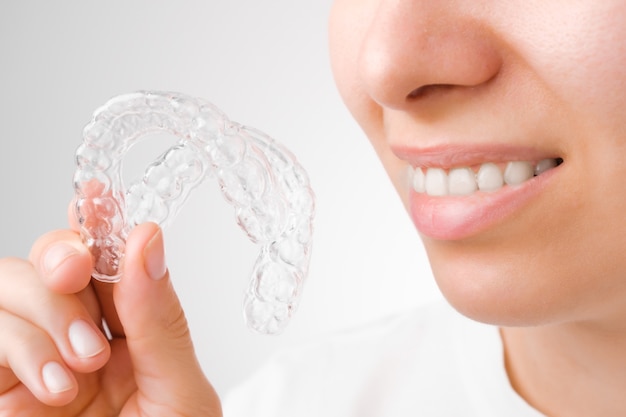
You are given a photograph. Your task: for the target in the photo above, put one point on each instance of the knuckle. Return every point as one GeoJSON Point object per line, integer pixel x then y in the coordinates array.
{"type": "Point", "coordinates": [12, 266]}
{"type": "Point", "coordinates": [176, 323]}
{"type": "Point", "coordinates": [18, 334]}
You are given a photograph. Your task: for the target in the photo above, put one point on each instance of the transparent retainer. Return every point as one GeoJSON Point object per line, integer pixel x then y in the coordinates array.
{"type": "Point", "coordinates": [259, 177]}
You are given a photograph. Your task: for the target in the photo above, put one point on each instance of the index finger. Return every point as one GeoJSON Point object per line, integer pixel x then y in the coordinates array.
{"type": "Point", "coordinates": [62, 261]}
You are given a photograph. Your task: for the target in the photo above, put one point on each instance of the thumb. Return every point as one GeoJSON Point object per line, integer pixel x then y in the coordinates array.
{"type": "Point", "coordinates": [157, 336]}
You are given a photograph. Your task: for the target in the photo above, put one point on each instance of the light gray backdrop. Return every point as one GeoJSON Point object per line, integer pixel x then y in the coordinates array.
{"type": "Point", "coordinates": [265, 64]}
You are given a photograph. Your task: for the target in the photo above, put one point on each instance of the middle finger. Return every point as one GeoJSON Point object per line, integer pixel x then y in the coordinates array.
{"type": "Point", "coordinates": [63, 316]}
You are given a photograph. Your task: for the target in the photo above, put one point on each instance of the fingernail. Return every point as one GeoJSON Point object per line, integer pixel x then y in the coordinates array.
{"type": "Point", "coordinates": [55, 255]}
{"type": "Point", "coordinates": [84, 340]}
{"type": "Point", "coordinates": [154, 257]}
{"type": "Point", "coordinates": [55, 378]}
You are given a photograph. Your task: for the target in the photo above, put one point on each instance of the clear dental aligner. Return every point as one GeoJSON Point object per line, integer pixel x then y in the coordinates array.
{"type": "Point", "coordinates": [463, 181]}
{"type": "Point", "coordinates": [262, 180]}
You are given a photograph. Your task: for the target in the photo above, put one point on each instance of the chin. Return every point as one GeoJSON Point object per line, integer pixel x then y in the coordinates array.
{"type": "Point", "coordinates": [496, 289]}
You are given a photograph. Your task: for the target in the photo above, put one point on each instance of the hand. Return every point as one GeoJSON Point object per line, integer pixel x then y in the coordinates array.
{"type": "Point", "coordinates": [54, 357]}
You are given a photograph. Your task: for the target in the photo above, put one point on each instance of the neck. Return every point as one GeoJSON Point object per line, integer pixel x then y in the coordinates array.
{"type": "Point", "coordinates": [571, 369]}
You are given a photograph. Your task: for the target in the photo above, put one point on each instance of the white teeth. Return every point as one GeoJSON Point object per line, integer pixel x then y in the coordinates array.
{"type": "Point", "coordinates": [517, 172]}
{"type": "Point", "coordinates": [489, 178]}
{"type": "Point", "coordinates": [419, 181]}
{"type": "Point", "coordinates": [436, 182]}
{"type": "Point", "coordinates": [464, 181]}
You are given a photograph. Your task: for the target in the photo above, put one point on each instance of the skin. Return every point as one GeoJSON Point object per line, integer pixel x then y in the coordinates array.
{"type": "Point", "coordinates": [548, 78]}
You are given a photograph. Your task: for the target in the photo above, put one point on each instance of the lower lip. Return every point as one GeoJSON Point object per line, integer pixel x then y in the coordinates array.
{"type": "Point", "coordinates": [456, 218]}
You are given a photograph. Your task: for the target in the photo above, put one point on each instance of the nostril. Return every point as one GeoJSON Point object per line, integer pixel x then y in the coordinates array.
{"type": "Point", "coordinates": [426, 90]}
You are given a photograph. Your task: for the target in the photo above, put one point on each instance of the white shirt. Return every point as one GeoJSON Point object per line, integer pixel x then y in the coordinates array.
{"type": "Point", "coordinates": [432, 362]}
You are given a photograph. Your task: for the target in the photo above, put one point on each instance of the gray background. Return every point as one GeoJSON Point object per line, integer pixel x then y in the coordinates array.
{"type": "Point", "coordinates": [265, 64]}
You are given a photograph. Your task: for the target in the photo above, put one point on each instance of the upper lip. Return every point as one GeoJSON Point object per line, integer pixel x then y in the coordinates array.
{"type": "Point", "coordinates": [467, 155]}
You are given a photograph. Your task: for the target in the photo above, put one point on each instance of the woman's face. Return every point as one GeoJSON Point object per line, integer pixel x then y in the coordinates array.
{"type": "Point", "coordinates": [472, 98]}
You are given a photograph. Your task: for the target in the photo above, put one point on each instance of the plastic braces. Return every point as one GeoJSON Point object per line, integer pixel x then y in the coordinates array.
{"type": "Point", "coordinates": [260, 178]}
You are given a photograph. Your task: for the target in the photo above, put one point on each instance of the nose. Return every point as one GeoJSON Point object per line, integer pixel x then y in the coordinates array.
{"type": "Point", "coordinates": [415, 48]}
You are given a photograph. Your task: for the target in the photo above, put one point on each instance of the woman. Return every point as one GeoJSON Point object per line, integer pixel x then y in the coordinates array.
{"type": "Point", "coordinates": [508, 117]}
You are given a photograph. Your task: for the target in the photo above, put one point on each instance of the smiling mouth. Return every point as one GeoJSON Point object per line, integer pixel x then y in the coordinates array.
{"type": "Point", "coordinates": [488, 177]}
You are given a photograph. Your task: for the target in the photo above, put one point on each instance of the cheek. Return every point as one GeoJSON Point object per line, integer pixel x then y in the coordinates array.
{"type": "Point", "coordinates": [577, 52]}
